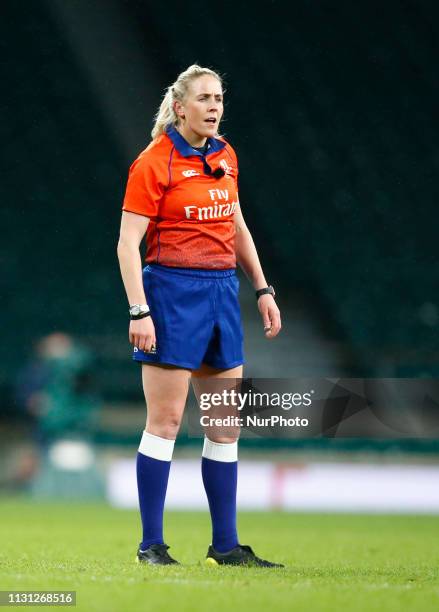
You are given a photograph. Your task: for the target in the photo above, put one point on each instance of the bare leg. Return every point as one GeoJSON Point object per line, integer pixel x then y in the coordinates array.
{"type": "Point", "coordinates": [207, 380]}
{"type": "Point", "coordinates": [165, 391]}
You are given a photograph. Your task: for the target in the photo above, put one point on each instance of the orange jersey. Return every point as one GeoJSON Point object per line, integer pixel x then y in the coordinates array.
{"type": "Point", "coordinates": [191, 212]}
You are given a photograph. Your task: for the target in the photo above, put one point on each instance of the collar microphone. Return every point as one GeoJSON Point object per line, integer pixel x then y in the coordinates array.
{"type": "Point", "coordinates": [218, 172]}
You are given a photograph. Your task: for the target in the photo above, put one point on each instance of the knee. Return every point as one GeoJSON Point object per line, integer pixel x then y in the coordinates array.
{"type": "Point", "coordinates": [167, 430]}
{"type": "Point", "coordinates": [221, 439]}
{"type": "Point", "coordinates": [164, 425]}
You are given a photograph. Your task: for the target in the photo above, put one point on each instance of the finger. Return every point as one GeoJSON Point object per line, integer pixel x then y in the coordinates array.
{"type": "Point", "coordinates": [150, 343]}
{"type": "Point", "coordinates": [154, 344]}
{"type": "Point", "coordinates": [275, 326]}
{"type": "Point", "coordinates": [142, 342]}
{"type": "Point", "coordinates": [145, 343]}
{"type": "Point", "coordinates": [266, 319]}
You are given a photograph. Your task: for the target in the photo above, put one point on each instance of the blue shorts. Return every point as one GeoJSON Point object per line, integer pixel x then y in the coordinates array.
{"type": "Point", "coordinates": [196, 315]}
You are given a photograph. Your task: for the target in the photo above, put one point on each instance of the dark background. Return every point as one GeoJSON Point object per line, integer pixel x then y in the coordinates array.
{"type": "Point", "coordinates": [332, 109]}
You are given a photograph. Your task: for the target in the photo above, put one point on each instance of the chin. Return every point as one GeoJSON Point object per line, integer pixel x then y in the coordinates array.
{"type": "Point", "coordinates": [207, 132]}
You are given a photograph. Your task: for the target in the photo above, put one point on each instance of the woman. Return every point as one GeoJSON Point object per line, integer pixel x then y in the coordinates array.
{"type": "Point", "coordinates": [182, 192]}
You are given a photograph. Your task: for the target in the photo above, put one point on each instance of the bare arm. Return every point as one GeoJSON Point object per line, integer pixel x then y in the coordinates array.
{"type": "Point", "coordinates": [246, 254]}
{"type": "Point", "coordinates": [248, 259]}
{"type": "Point", "coordinates": [132, 230]}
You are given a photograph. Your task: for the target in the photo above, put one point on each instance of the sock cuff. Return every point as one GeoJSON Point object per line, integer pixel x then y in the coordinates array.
{"type": "Point", "coordinates": [156, 447]}
{"type": "Point", "coordinates": [217, 451]}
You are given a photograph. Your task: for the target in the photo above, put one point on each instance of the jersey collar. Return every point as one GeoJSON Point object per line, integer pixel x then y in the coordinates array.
{"type": "Point", "coordinates": [185, 149]}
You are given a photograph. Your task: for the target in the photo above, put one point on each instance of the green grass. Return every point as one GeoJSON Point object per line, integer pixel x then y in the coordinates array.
{"type": "Point", "coordinates": [334, 562]}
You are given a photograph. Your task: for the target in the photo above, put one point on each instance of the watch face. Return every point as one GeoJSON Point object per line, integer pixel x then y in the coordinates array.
{"type": "Point", "coordinates": [135, 310]}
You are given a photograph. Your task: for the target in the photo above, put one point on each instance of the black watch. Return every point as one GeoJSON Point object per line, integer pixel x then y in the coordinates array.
{"type": "Point", "coordinates": [266, 290]}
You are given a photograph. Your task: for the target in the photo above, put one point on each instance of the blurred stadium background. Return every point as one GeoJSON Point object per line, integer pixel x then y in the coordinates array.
{"type": "Point", "coordinates": [332, 108]}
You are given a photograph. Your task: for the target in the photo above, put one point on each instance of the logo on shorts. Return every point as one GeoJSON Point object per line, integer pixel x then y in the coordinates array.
{"type": "Point", "coordinates": [189, 173]}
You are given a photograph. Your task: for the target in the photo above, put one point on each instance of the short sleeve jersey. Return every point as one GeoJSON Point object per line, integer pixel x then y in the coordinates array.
{"type": "Point", "coordinates": [191, 211]}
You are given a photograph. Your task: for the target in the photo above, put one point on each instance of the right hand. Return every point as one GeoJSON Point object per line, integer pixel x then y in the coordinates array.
{"type": "Point", "coordinates": [142, 333]}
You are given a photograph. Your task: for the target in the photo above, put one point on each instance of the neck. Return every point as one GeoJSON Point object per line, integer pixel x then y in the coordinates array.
{"type": "Point", "coordinates": [194, 139]}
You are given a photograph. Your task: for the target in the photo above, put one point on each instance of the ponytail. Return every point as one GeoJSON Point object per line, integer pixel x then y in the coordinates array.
{"type": "Point", "coordinates": [165, 115]}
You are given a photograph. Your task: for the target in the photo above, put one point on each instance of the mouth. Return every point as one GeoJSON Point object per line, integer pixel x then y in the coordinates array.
{"type": "Point", "coordinates": [211, 120]}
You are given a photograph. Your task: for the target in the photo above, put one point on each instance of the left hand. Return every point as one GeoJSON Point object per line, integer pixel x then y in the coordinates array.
{"type": "Point", "coordinates": [270, 315]}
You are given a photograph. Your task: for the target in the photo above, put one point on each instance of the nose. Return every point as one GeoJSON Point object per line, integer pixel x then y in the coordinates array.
{"type": "Point", "coordinates": [214, 104]}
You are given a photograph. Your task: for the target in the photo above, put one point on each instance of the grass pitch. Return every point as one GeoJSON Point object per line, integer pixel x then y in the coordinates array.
{"type": "Point", "coordinates": [334, 562]}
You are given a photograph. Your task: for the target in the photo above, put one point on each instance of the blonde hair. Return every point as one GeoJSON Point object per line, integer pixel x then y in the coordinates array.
{"type": "Point", "coordinates": [166, 114]}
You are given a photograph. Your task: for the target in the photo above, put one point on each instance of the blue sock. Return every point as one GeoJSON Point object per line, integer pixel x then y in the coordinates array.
{"type": "Point", "coordinates": [219, 468]}
{"type": "Point", "coordinates": [153, 464]}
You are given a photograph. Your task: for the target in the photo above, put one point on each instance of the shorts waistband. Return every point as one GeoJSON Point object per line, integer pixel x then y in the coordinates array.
{"type": "Point", "coordinates": [194, 272]}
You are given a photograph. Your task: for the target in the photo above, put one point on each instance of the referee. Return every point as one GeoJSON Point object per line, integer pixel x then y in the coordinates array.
{"type": "Point", "coordinates": [182, 192]}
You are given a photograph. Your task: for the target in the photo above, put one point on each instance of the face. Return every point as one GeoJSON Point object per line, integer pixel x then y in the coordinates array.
{"type": "Point", "coordinates": [200, 113]}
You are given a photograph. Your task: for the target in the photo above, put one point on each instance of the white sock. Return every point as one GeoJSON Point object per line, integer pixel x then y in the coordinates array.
{"type": "Point", "coordinates": [218, 451]}
{"type": "Point", "coordinates": [156, 447]}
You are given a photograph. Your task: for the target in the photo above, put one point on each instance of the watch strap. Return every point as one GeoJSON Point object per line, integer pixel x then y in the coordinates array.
{"type": "Point", "coordinates": [142, 315]}
{"type": "Point", "coordinates": [266, 290]}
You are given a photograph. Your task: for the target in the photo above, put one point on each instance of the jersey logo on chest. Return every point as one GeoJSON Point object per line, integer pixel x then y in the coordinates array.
{"type": "Point", "coordinates": [216, 210]}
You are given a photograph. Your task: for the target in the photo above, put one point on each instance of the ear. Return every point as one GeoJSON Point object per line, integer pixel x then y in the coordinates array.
{"type": "Point", "coordinates": [178, 108]}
